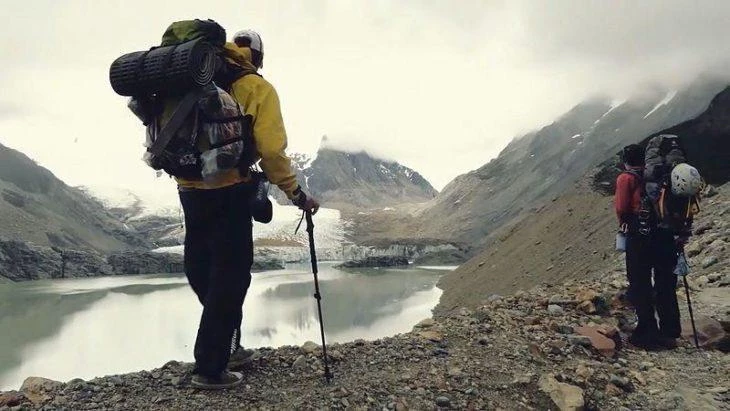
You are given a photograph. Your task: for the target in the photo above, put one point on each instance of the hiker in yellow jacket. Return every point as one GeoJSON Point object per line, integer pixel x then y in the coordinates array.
{"type": "Point", "coordinates": [219, 236]}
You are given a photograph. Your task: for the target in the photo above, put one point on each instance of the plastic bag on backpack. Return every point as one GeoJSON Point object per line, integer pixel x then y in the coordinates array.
{"type": "Point", "coordinates": [218, 160]}
{"type": "Point", "coordinates": [682, 267]}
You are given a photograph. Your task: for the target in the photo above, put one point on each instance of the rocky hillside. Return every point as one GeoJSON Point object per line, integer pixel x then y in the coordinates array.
{"type": "Point", "coordinates": [348, 181]}
{"type": "Point", "coordinates": [543, 164]}
{"type": "Point", "coordinates": [37, 207]}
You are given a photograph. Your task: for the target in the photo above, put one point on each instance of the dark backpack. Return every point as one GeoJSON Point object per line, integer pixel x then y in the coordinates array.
{"type": "Point", "coordinates": [662, 153]}
{"type": "Point", "coordinates": [669, 212]}
{"type": "Point", "coordinates": [195, 130]}
{"type": "Point", "coordinates": [647, 218]}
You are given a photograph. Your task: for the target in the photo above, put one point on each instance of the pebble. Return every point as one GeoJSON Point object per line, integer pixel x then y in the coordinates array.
{"type": "Point", "coordinates": [645, 366]}
{"type": "Point", "coordinates": [443, 401]}
{"type": "Point", "coordinates": [555, 309]}
{"type": "Point", "coordinates": [709, 261]}
{"type": "Point", "coordinates": [581, 340]}
{"type": "Point", "coordinates": [621, 382]}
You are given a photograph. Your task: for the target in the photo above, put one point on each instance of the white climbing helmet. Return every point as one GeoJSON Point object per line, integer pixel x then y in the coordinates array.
{"type": "Point", "coordinates": [251, 39]}
{"type": "Point", "coordinates": [686, 180]}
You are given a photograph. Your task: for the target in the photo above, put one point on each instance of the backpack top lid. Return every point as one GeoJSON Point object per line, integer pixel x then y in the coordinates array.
{"type": "Point", "coordinates": [186, 30]}
{"type": "Point", "coordinates": [663, 152]}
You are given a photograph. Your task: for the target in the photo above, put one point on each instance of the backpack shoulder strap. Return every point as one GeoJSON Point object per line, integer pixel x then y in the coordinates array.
{"type": "Point", "coordinates": [176, 120]}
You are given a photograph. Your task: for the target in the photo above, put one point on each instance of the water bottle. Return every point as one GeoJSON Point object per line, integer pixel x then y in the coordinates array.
{"type": "Point", "coordinates": [620, 241]}
{"type": "Point", "coordinates": [261, 207]}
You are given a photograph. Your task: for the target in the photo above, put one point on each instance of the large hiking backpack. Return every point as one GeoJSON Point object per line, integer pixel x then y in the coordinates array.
{"type": "Point", "coordinates": [646, 220]}
{"type": "Point", "coordinates": [670, 211]}
{"type": "Point", "coordinates": [662, 153]}
{"type": "Point", "coordinates": [195, 130]}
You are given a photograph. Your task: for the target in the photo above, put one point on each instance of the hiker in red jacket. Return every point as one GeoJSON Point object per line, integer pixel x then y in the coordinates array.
{"type": "Point", "coordinates": [647, 249]}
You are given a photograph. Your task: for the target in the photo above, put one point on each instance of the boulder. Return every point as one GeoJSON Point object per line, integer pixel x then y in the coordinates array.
{"type": "Point", "coordinates": [39, 390]}
{"type": "Point", "coordinates": [710, 333]}
{"type": "Point", "coordinates": [309, 347]}
{"type": "Point", "coordinates": [598, 340]}
{"type": "Point", "coordinates": [431, 335]}
{"type": "Point", "coordinates": [11, 399]}
{"type": "Point", "coordinates": [709, 261]}
{"type": "Point", "coordinates": [694, 248]}
{"type": "Point", "coordinates": [565, 396]}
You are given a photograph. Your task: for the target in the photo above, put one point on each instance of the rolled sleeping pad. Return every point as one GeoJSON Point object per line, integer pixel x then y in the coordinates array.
{"type": "Point", "coordinates": [168, 70]}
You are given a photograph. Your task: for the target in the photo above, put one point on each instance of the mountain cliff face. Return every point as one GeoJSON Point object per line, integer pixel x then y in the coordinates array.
{"type": "Point", "coordinates": [344, 180]}
{"type": "Point", "coordinates": [544, 163]}
{"type": "Point", "coordinates": [37, 207]}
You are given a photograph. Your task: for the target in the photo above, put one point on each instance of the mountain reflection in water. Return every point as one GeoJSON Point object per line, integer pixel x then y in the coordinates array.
{"type": "Point", "coordinates": [91, 327]}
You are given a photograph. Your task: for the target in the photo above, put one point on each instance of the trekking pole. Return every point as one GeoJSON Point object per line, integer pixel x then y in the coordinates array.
{"type": "Point", "coordinates": [689, 302]}
{"type": "Point", "coordinates": [317, 295]}
{"type": "Point", "coordinates": [691, 314]}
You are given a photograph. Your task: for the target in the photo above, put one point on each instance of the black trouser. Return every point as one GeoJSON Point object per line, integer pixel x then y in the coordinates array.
{"type": "Point", "coordinates": [656, 251]}
{"type": "Point", "coordinates": [218, 258]}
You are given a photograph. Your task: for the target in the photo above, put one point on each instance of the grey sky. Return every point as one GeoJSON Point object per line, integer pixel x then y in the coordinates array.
{"type": "Point", "coordinates": [440, 86]}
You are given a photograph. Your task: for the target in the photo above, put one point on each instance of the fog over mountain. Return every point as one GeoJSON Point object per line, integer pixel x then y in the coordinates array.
{"type": "Point", "coordinates": [439, 86]}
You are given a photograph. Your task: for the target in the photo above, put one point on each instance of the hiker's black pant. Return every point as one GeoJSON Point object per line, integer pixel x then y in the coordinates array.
{"type": "Point", "coordinates": [656, 252]}
{"type": "Point", "coordinates": [218, 258]}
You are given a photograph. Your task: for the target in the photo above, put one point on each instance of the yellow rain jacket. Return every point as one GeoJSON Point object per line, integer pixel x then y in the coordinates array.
{"type": "Point", "coordinates": [258, 99]}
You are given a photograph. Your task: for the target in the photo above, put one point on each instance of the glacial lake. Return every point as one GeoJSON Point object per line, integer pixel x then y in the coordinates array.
{"type": "Point", "coordinates": [64, 329]}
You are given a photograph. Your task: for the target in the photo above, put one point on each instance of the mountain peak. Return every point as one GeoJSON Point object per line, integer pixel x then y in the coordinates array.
{"type": "Point", "coordinates": [346, 179]}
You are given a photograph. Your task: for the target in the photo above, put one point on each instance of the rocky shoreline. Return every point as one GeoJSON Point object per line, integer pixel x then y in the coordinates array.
{"type": "Point", "coordinates": [24, 261]}
{"type": "Point", "coordinates": [552, 347]}
{"type": "Point", "coordinates": [376, 262]}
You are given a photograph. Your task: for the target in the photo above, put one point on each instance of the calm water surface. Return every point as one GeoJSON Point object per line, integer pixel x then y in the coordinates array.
{"type": "Point", "coordinates": [85, 328]}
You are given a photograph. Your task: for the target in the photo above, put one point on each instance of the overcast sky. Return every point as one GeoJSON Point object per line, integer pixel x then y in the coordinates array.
{"type": "Point", "coordinates": [440, 86]}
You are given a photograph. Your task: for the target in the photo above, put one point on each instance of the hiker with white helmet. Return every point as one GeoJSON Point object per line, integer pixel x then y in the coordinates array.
{"type": "Point", "coordinates": [656, 198]}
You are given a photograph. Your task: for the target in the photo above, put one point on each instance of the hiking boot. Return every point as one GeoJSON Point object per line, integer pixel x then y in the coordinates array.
{"type": "Point", "coordinates": [239, 358]}
{"type": "Point", "coordinates": [668, 343]}
{"type": "Point", "coordinates": [644, 342]}
{"type": "Point", "coordinates": [226, 379]}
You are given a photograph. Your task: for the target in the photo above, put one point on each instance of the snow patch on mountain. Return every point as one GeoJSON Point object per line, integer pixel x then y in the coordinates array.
{"type": "Point", "coordinates": [670, 95]}
{"type": "Point", "coordinates": [157, 199]}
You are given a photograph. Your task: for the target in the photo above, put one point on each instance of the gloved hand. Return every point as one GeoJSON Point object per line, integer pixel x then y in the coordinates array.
{"type": "Point", "coordinates": [305, 202]}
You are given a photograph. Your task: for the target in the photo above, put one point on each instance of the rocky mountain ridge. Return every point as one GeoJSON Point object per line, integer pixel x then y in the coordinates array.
{"type": "Point", "coordinates": [344, 180]}
{"type": "Point", "coordinates": [543, 164]}
{"type": "Point", "coordinates": [36, 206]}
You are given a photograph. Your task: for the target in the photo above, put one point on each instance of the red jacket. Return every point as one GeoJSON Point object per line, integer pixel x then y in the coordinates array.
{"type": "Point", "coordinates": [628, 195]}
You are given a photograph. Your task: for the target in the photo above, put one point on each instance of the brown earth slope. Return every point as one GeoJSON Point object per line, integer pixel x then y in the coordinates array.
{"type": "Point", "coordinates": [570, 237]}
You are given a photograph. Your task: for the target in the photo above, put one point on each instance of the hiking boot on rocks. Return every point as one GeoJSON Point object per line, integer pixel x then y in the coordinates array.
{"type": "Point", "coordinates": [667, 343]}
{"type": "Point", "coordinates": [240, 358]}
{"type": "Point", "coordinates": [645, 342]}
{"type": "Point", "coordinates": [226, 379]}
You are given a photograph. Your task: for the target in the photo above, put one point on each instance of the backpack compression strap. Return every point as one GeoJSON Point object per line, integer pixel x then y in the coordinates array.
{"type": "Point", "coordinates": [176, 120]}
